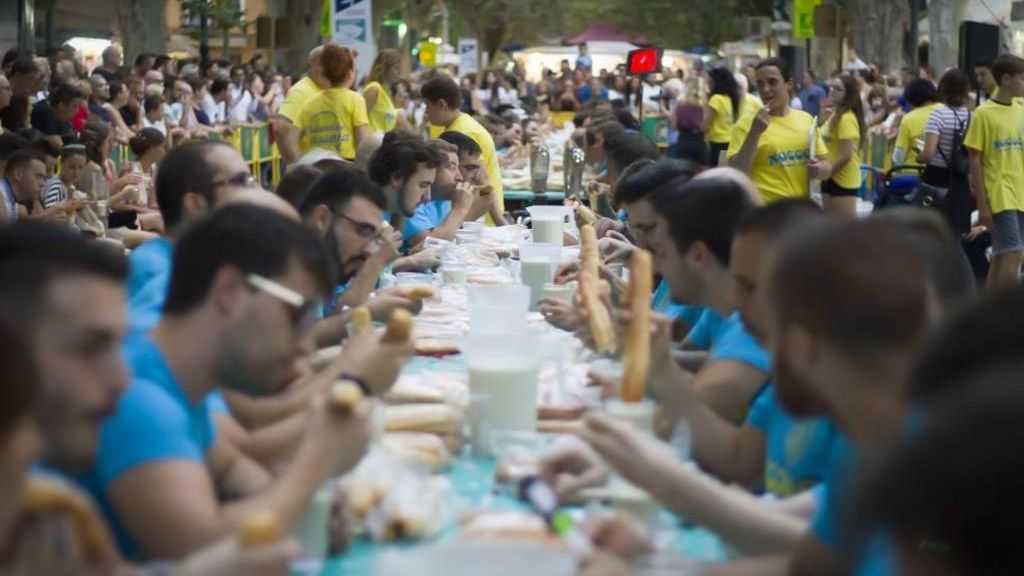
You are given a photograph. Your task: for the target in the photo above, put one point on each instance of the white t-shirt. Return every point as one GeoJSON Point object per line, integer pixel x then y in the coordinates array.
{"type": "Point", "coordinates": [160, 126]}
{"type": "Point", "coordinates": [240, 111]}
{"type": "Point", "coordinates": [214, 110]}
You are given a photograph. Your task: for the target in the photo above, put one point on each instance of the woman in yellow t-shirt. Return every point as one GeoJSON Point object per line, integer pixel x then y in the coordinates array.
{"type": "Point", "coordinates": [721, 112]}
{"type": "Point", "coordinates": [335, 119]}
{"type": "Point", "coordinates": [774, 146]}
{"type": "Point", "coordinates": [384, 117]}
{"type": "Point", "coordinates": [843, 131]}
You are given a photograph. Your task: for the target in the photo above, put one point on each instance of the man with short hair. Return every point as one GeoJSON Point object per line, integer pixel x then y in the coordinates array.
{"type": "Point", "coordinates": [444, 111]}
{"type": "Point", "coordinates": [23, 182]}
{"type": "Point", "coordinates": [995, 143]}
{"type": "Point", "coordinates": [52, 117]}
{"type": "Point", "coordinates": [217, 101]}
{"type": "Point", "coordinates": [166, 65]}
{"type": "Point", "coordinates": [237, 86]}
{"type": "Point", "coordinates": [98, 96]}
{"type": "Point", "coordinates": [452, 201]}
{"type": "Point", "coordinates": [110, 68]}
{"type": "Point", "coordinates": [5, 96]}
{"type": "Point", "coordinates": [404, 167]}
{"type": "Point", "coordinates": [345, 208]}
{"type": "Point", "coordinates": [812, 94]}
{"type": "Point", "coordinates": [143, 64]}
{"type": "Point", "coordinates": [23, 76]}
{"type": "Point", "coordinates": [238, 315]}
{"type": "Point", "coordinates": [288, 114]}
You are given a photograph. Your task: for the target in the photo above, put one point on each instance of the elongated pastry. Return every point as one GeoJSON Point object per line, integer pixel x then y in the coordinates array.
{"type": "Point", "coordinates": [361, 319]}
{"type": "Point", "coordinates": [43, 495]}
{"type": "Point", "coordinates": [434, 418]}
{"type": "Point", "coordinates": [399, 326]}
{"type": "Point", "coordinates": [599, 318]}
{"type": "Point", "coordinates": [584, 215]}
{"type": "Point", "coordinates": [427, 450]}
{"type": "Point", "coordinates": [260, 529]}
{"type": "Point", "coordinates": [637, 358]}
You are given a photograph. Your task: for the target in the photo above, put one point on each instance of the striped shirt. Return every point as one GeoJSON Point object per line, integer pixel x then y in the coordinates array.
{"type": "Point", "coordinates": [55, 193]}
{"type": "Point", "coordinates": [944, 122]}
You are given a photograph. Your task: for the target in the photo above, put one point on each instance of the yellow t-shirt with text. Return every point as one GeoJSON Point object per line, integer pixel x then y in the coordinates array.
{"type": "Point", "coordinates": [846, 129]}
{"type": "Point", "coordinates": [467, 125]}
{"type": "Point", "coordinates": [721, 126]}
{"type": "Point", "coordinates": [780, 161]}
{"type": "Point", "coordinates": [382, 115]}
{"type": "Point", "coordinates": [329, 121]}
{"type": "Point", "coordinates": [912, 126]}
{"type": "Point", "coordinates": [997, 132]}
{"type": "Point", "coordinates": [298, 95]}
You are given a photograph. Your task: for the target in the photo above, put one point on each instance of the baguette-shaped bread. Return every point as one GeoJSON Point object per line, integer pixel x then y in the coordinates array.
{"type": "Point", "coordinates": [637, 345]}
{"type": "Point", "coordinates": [399, 326]}
{"type": "Point", "coordinates": [260, 529]}
{"type": "Point", "coordinates": [598, 316]}
{"type": "Point", "coordinates": [406, 391]}
{"type": "Point", "coordinates": [43, 495]}
{"type": "Point", "coordinates": [433, 418]}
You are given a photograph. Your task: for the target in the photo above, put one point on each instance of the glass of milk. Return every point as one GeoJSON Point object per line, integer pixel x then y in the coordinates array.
{"type": "Point", "coordinates": [537, 264]}
{"type": "Point", "coordinates": [505, 368]}
{"type": "Point", "coordinates": [548, 223]}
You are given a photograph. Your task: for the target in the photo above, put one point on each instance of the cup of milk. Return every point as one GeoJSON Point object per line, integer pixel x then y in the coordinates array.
{"type": "Point", "coordinates": [560, 292]}
{"type": "Point", "coordinates": [453, 273]}
{"type": "Point", "coordinates": [505, 369]}
{"type": "Point", "coordinates": [537, 264]}
{"type": "Point", "coordinates": [313, 527]}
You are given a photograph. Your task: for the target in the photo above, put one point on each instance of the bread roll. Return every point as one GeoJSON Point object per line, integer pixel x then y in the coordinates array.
{"type": "Point", "coordinates": [433, 418]}
{"type": "Point", "coordinates": [43, 495]}
{"type": "Point", "coordinates": [399, 326]}
{"type": "Point", "coordinates": [598, 317]}
{"type": "Point", "coordinates": [260, 529]}
{"type": "Point", "coordinates": [637, 360]}
{"type": "Point", "coordinates": [345, 396]}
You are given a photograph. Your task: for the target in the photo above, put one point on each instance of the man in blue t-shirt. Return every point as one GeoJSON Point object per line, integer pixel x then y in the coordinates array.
{"type": "Point", "coordinates": [452, 199]}
{"type": "Point", "coordinates": [240, 308]}
{"type": "Point", "coordinates": [193, 179]}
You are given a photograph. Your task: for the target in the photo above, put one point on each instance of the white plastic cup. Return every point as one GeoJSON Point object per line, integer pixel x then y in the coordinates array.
{"type": "Point", "coordinates": [549, 223]}
{"type": "Point", "coordinates": [453, 274]}
{"type": "Point", "coordinates": [639, 414]}
{"type": "Point", "coordinates": [560, 292]}
{"type": "Point", "coordinates": [496, 310]}
{"type": "Point", "coordinates": [479, 423]}
{"type": "Point", "coordinates": [505, 369]}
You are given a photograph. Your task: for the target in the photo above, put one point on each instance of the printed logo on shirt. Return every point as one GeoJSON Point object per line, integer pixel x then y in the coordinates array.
{"type": "Point", "coordinates": [1009, 144]}
{"type": "Point", "coordinates": [325, 130]}
{"type": "Point", "coordinates": [789, 158]}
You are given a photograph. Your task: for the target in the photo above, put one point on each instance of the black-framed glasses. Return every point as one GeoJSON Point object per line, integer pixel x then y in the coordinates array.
{"type": "Point", "coordinates": [302, 312]}
{"type": "Point", "coordinates": [240, 179]}
{"type": "Point", "coordinates": [365, 230]}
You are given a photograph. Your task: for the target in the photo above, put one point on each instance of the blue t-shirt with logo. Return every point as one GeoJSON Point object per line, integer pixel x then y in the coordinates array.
{"type": "Point", "coordinates": [797, 450]}
{"type": "Point", "coordinates": [155, 421]}
{"type": "Point", "coordinates": [428, 216]}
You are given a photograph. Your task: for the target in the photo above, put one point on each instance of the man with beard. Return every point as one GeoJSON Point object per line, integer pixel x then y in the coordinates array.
{"type": "Point", "coordinates": [837, 354]}
{"type": "Point", "coordinates": [405, 168]}
{"type": "Point", "coordinates": [452, 200]}
{"type": "Point", "coordinates": [244, 289]}
{"type": "Point", "coordinates": [346, 209]}
{"type": "Point", "coordinates": [67, 294]}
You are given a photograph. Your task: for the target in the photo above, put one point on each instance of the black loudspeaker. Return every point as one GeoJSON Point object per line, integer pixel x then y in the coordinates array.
{"type": "Point", "coordinates": [978, 42]}
{"type": "Point", "coordinates": [796, 57]}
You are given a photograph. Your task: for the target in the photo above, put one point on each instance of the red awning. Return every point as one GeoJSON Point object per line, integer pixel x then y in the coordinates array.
{"type": "Point", "coordinates": [606, 33]}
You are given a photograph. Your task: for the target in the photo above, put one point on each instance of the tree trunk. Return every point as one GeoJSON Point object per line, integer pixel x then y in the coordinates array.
{"type": "Point", "coordinates": [143, 27]}
{"type": "Point", "coordinates": [877, 31]}
{"type": "Point", "coordinates": [943, 38]}
{"type": "Point", "coordinates": [304, 22]}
